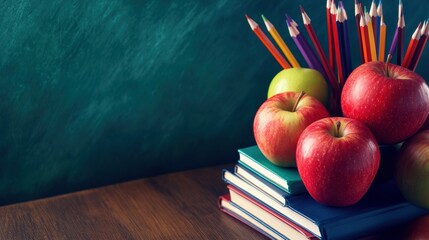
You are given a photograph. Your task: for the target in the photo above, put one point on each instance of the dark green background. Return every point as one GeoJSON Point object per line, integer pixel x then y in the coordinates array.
{"type": "Point", "coordinates": [97, 92]}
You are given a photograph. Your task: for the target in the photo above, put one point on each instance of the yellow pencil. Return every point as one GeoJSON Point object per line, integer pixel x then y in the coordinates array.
{"type": "Point", "coordinates": [281, 43]}
{"type": "Point", "coordinates": [382, 46]}
{"type": "Point", "coordinates": [371, 39]}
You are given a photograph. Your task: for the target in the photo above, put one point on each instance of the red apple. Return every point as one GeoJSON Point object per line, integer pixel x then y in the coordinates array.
{"type": "Point", "coordinates": [337, 159]}
{"type": "Point", "coordinates": [392, 102]}
{"type": "Point", "coordinates": [412, 169]}
{"type": "Point", "coordinates": [279, 122]}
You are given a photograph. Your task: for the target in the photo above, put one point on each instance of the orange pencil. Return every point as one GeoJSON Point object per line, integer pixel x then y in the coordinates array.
{"type": "Point", "coordinates": [371, 37]}
{"type": "Point", "coordinates": [412, 46]}
{"type": "Point", "coordinates": [382, 42]}
{"type": "Point", "coordinates": [281, 43]}
{"type": "Point", "coordinates": [373, 15]}
{"type": "Point", "coordinates": [268, 44]}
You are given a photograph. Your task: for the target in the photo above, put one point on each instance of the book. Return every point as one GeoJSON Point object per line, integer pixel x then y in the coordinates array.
{"type": "Point", "coordinates": [225, 205]}
{"type": "Point", "coordinates": [261, 183]}
{"type": "Point", "coordinates": [277, 222]}
{"type": "Point", "coordinates": [286, 178]}
{"type": "Point", "coordinates": [382, 207]}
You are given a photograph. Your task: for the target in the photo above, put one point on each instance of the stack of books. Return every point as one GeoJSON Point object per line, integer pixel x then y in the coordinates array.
{"type": "Point", "coordinates": [273, 201]}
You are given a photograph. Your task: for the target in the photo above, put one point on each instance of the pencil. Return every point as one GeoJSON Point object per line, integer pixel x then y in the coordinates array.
{"type": "Point", "coordinates": [378, 25]}
{"type": "Point", "coordinates": [357, 21]}
{"type": "Point", "coordinates": [420, 47]}
{"type": "Point", "coordinates": [329, 72]}
{"type": "Point", "coordinates": [400, 40]}
{"type": "Point", "coordinates": [268, 44]}
{"type": "Point", "coordinates": [371, 38]}
{"type": "Point", "coordinates": [382, 42]}
{"type": "Point", "coordinates": [348, 56]}
{"type": "Point", "coordinates": [306, 52]}
{"type": "Point", "coordinates": [373, 15]}
{"type": "Point", "coordinates": [365, 41]}
{"type": "Point", "coordinates": [281, 43]}
{"type": "Point", "coordinates": [395, 40]}
{"type": "Point", "coordinates": [412, 46]}
{"type": "Point", "coordinates": [330, 34]}
{"type": "Point", "coordinates": [341, 43]}
{"type": "Point", "coordinates": [336, 43]}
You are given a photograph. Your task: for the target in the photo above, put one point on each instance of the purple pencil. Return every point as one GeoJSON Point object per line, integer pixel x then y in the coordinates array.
{"type": "Point", "coordinates": [394, 44]}
{"type": "Point", "coordinates": [305, 49]}
{"type": "Point", "coordinates": [400, 35]}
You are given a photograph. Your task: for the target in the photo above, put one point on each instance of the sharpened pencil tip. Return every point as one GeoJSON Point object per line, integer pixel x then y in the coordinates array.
{"type": "Point", "coordinates": [302, 9]}
{"type": "Point", "coordinates": [263, 18]}
{"type": "Point", "coordinates": [247, 16]}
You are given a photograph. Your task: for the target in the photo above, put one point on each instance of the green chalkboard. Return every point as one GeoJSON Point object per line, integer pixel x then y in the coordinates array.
{"type": "Point", "coordinates": [103, 91]}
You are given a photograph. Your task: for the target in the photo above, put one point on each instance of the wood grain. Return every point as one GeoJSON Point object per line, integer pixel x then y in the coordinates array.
{"type": "Point", "coordinates": [175, 206]}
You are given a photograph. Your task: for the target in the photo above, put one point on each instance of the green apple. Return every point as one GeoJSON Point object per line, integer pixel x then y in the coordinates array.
{"type": "Point", "coordinates": [300, 79]}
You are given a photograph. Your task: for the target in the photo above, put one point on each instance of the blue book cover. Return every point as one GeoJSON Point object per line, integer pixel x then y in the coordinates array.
{"type": "Point", "coordinates": [382, 207]}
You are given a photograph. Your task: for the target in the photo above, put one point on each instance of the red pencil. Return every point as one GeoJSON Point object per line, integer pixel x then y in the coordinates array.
{"type": "Point", "coordinates": [365, 39]}
{"type": "Point", "coordinates": [329, 72]}
{"type": "Point", "coordinates": [412, 46]}
{"type": "Point", "coordinates": [268, 44]}
{"type": "Point", "coordinates": [420, 47]}
{"type": "Point", "coordinates": [336, 43]}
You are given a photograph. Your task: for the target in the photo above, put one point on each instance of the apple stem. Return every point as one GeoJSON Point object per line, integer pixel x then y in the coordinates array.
{"type": "Point", "coordinates": [337, 130]}
{"type": "Point", "coordinates": [389, 58]}
{"type": "Point", "coordinates": [301, 94]}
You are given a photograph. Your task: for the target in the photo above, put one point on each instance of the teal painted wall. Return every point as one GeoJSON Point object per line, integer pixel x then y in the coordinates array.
{"type": "Point", "coordinates": [103, 91]}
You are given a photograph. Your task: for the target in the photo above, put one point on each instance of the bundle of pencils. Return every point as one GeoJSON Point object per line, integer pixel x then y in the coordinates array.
{"type": "Point", "coordinates": [336, 65]}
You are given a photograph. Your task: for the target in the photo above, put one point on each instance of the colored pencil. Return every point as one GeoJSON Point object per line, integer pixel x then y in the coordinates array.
{"type": "Point", "coordinates": [420, 47]}
{"type": "Point", "coordinates": [336, 43]}
{"type": "Point", "coordinates": [341, 42]}
{"type": "Point", "coordinates": [371, 38]}
{"type": "Point", "coordinates": [382, 42]}
{"type": "Point", "coordinates": [357, 21]}
{"type": "Point", "coordinates": [281, 43]}
{"type": "Point", "coordinates": [348, 55]}
{"type": "Point", "coordinates": [373, 15]}
{"type": "Point", "coordinates": [365, 40]}
{"type": "Point", "coordinates": [400, 41]}
{"type": "Point", "coordinates": [268, 44]}
{"type": "Point", "coordinates": [378, 25]}
{"type": "Point", "coordinates": [316, 43]}
{"type": "Point", "coordinates": [303, 47]}
{"type": "Point", "coordinates": [395, 39]}
{"type": "Point", "coordinates": [330, 35]}
{"type": "Point", "coordinates": [412, 46]}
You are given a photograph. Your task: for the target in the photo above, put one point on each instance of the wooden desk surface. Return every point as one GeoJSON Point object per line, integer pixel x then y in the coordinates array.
{"type": "Point", "coordinates": [174, 206]}
{"type": "Point", "coordinates": [179, 205]}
